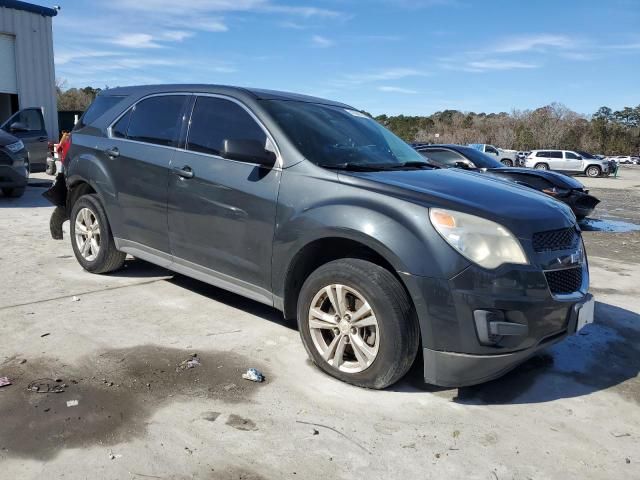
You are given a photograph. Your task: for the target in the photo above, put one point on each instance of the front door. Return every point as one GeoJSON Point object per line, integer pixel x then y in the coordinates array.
{"type": "Point", "coordinates": [28, 125]}
{"type": "Point", "coordinates": [573, 162]}
{"type": "Point", "coordinates": [222, 212]}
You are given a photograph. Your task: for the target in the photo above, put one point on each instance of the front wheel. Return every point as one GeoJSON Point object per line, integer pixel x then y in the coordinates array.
{"type": "Point", "coordinates": [506, 162]}
{"type": "Point", "coordinates": [357, 323]}
{"type": "Point", "coordinates": [541, 166]}
{"type": "Point", "coordinates": [91, 237]}
{"type": "Point", "coordinates": [593, 171]}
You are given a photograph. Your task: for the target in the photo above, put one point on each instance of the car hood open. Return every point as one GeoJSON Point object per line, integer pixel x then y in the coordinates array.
{"type": "Point", "coordinates": [521, 209]}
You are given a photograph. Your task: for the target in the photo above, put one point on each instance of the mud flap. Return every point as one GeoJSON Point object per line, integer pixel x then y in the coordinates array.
{"type": "Point", "coordinates": [57, 195]}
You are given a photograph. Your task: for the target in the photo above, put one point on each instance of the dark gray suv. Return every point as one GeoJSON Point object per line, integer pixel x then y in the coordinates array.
{"type": "Point", "coordinates": [312, 207]}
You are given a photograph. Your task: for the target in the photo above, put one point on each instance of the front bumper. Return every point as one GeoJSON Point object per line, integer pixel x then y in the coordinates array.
{"type": "Point", "coordinates": [14, 172]}
{"type": "Point", "coordinates": [581, 203]}
{"type": "Point", "coordinates": [456, 352]}
{"type": "Point", "coordinates": [450, 369]}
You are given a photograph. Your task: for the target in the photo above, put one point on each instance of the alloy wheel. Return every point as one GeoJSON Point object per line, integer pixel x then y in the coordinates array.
{"type": "Point", "coordinates": [344, 328]}
{"type": "Point", "coordinates": [87, 233]}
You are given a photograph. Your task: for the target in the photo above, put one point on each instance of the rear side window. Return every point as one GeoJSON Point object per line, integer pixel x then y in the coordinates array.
{"type": "Point", "coordinates": [101, 104]}
{"type": "Point", "coordinates": [542, 154]}
{"type": "Point", "coordinates": [156, 120]}
{"type": "Point", "coordinates": [215, 120]}
{"type": "Point", "coordinates": [554, 155]}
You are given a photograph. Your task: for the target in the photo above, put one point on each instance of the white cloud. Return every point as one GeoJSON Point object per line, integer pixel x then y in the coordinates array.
{"type": "Point", "coordinates": [62, 57]}
{"type": "Point", "coordinates": [387, 74]}
{"type": "Point", "coordinates": [176, 35]}
{"type": "Point", "coordinates": [321, 42]}
{"type": "Point", "coordinates": [485, 65]}
{"type": "Point", "coordinates": [391, 89]}
{"type": "Point", "coordinates": [533, 42]}
{"type": "Point", "coordinates": [135, 40]}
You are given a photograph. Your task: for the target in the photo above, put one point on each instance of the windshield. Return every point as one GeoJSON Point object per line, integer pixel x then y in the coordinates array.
{"type": "Point", "coordinates": [586, 155]}
{"type": "Point", "coordinates": [479, 159]}
{"type": "Point", "coordinates": [332, 136]}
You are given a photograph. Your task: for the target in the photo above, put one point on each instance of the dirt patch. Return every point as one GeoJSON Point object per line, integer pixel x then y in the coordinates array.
{"type": "Point", "coordinates": [239, 423]}
{"type": "Point", "coordinates": [116, 391]}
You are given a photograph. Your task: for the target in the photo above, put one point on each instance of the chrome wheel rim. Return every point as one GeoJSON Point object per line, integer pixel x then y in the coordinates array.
{"type": "Point", "coordinates": [592, 172]}
{"type": "Point", "coordinates": [344, 328]}
{"type": "Point", "coordinates": [87, 233]}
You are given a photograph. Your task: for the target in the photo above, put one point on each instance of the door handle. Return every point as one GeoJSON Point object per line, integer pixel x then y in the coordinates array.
{"type": "Point", "coordinates": [112, 152]}
{"type": "Point", "coordinates": [184, 172]}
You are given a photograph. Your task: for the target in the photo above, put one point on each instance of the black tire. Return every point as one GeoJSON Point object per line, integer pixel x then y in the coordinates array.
{"type": "Point", "coordinates": [593, 171]}
{"type": "Point", "coordinates": [506, 162]}
{"type": "Point", "coordinates": [51, 168]}
{"type": "Point", "coordinates": [13, 192]}
{"type": "Point", "coordinates": [541, 166]}
{"type": "Point", "coordinates": [108, 258]}
{"type": "Point", "coordinates": [397, 323]}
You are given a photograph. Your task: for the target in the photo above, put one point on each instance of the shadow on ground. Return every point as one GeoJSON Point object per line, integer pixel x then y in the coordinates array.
{"type": "Point", "coordinates": [32, 197]}
{"type": "Point", "coordinates": [603, 356]}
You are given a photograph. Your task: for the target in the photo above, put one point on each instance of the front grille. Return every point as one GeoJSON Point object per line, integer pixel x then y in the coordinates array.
{"type": "Point", "coordinates": [564, 281]}
{"type": "Point", "coordinates": [555, 240]}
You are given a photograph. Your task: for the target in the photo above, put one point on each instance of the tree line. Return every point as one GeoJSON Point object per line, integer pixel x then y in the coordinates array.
{"type": "Point", "coordinates": [605, 132]}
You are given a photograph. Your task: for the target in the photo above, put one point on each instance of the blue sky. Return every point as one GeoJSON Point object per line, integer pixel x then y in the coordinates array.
{"type": "Point", "coordinates": [385, 56]}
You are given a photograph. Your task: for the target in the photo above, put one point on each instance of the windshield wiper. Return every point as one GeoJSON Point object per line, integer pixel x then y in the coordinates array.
{"type": "Point", "coordinates": [414, 164]}
{"type": "Point", "coordinates": [355, 167]}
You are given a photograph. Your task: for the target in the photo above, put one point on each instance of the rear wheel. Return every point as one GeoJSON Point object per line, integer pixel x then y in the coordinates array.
{"type": "Point", "coordinates": [91, 237]}
{"type": "Point", "coordinates": [541, 166]}
{"type": "Point", "coordinates": [13, 192]}
{"type": "Point", "coordinates": [593, 171]}
{"type": "Point", "coordinates": [506, 162]}
{"type": "Point", "coordinates": [357, 323]}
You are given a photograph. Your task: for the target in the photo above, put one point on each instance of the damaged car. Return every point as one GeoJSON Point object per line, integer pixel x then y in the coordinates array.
{"type": "Point", "coordinates": [14, 165]}
{"type": "Point", "coordinates": [312, 207]}
{"type": "Point", "coordinates": [561, 187]}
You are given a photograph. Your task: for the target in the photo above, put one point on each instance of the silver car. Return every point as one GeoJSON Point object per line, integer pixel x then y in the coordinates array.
{"type": "Point", "coordinates": [567, 161]}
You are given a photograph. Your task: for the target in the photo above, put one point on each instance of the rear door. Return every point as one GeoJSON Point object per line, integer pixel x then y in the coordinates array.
{"type": "Point", "coordinates": [137, 155]}
{"type": "Point", "coordinates": [555, 160]}
{"type": "Point", "coordinates": [222, 212]}
{"type": "Point", "coordinates": [28, 125]}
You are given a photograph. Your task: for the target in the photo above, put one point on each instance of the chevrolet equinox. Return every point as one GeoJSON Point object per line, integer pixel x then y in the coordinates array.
{"type": "Point", "coordinates": [312, 207]}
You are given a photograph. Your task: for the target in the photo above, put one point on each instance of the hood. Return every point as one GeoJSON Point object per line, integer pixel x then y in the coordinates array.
{"type": "Point", "coordinates": [6, 138]}
{"type": "Point", "coordinates": [522, 210]}
{"type": "Point", "coordinates": [558, 179]}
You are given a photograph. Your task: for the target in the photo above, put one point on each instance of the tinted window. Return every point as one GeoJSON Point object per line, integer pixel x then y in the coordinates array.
{"type": "Point", "coordinates": [215, 120]}
{"type": "Point", "coordinates": [571, 156]}
{"type": "Point", "coordinates": [489, 149]}
{"type": "Point", "coordinates": [119, 130]}
{"type": "Point", "coordinates": [101, 104]}
{"type": "Point", "coordinates": [542, 154]}
{"type": "Point", "coordinates": [443, 157]}
{"type": "Point", "coordinates": [31, 119]}
{"type": "Point", "coordinates": [586, 155]}
{"type": "Point", "coordinates": [156, 120]}
{"type": "Point", "coordinates": [554, 154]}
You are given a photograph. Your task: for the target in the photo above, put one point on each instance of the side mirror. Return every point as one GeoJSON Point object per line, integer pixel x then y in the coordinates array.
{"type": "Point", "coordinates": [250, 151]}
{"type": "Point", "coordinates": [18, 127]}
{"type": "Point", "coordinates": [465, 165]}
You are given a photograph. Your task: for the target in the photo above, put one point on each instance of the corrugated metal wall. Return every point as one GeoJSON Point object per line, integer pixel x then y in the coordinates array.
{"type": "Point", "coordinates": [35, 70]}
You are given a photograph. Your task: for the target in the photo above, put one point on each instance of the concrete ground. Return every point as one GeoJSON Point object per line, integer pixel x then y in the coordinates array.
{"type": "Point", "coordinates": [115, 343]}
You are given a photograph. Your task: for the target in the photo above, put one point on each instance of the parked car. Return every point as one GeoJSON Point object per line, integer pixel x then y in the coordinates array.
{"type": "Point", "coordinates": [561, 187]}
{"type": "Point", "coordinates": [567, 161]}
{"type": "Point", "coordinates": [314, 208]}
{"type": "Point", "coordinates": [14, 165]}
{"type": "Point", "coordinates": [28, 125]}
{"type": "Point", "coordinates": [508, 158]}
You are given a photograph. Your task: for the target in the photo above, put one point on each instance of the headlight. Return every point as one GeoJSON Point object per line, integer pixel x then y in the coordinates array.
{"type": "Point", "coordinates": [15, 147]}
{"type": "Point", "coordinates": [484, 242]}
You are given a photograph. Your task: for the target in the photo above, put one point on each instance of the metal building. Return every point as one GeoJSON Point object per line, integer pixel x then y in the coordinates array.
{"type": "Point", "coordinates": [27, 73]}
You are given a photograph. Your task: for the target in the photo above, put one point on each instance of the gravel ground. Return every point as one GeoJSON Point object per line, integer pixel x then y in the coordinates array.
{"type": "Point", "coordinates": [119, 343]}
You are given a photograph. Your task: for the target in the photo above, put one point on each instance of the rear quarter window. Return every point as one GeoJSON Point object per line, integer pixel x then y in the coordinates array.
{"type": "Point", "coordinates": [100, 105]}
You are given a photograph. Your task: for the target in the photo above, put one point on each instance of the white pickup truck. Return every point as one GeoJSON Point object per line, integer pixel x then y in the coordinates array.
{"type": "Point", "coordinates": [508, 158]}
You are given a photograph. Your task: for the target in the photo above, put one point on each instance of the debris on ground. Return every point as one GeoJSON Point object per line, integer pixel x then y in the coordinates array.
{"type": "Point", "coordinates": [47, 385]}
{"type": "Point", "coordinates": [23, 361]}
{"type": "Point", "coordinates": [253, 375]}
{"type": "Point", "coordinates": [45, 335]}
{"type": "Point", "coordinates": [620, 435]}
{"type": "Point", "coordinates": [4, 381]}
{"type": "Point", "coordinates": [189, 363]}
{"type": "Point", "coordinates": [75, 299]}
{"type": "Point", "coordinates": [72, 403]}
{"type": "Point", "coordinates": [113, 456]}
